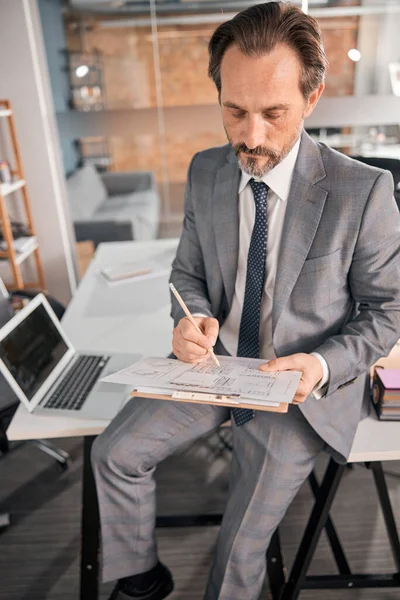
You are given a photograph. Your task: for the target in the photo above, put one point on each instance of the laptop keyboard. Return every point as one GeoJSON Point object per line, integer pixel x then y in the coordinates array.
{"type": "Point", "coordinates": [73, 390]}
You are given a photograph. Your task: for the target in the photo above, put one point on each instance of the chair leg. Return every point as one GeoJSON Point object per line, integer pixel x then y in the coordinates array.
{"type": "Point", "coordinates": [58, 454]}
{"type": "Point", "coordinates": [4, 521]}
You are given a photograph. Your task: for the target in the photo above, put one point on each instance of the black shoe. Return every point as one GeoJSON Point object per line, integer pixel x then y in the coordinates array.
{"type": "Point", "coordinates": [159, 590]}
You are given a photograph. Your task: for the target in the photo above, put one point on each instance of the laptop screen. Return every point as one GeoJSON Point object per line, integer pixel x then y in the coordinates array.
{"type": "Point", "coordinates": [32, 350]}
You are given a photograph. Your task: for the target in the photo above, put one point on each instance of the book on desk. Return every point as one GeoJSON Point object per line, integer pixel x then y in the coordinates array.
{"type": "Point", "coordinates": [386, 393]}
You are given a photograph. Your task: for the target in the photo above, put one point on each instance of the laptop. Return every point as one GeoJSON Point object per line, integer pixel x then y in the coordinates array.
{"type": "Point", "coordinates": [47, 373]}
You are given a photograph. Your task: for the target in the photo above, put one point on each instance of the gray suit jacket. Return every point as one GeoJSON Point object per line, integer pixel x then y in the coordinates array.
{"type": "Point", "coordinates": [337, 289]}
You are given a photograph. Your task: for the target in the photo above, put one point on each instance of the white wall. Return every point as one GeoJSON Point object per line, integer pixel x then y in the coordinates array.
{"type": "Point", "coordinates": [24, 80]}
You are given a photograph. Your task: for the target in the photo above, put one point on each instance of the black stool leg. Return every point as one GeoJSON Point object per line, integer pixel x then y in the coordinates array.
{"type": "Point", "coordinates": [316, 523]}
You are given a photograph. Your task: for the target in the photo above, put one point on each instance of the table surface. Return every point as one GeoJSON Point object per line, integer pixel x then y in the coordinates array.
{"type": "Point", "coordinates": [130, 317]}
{"type": "Point", "coordinates": [134, 317]}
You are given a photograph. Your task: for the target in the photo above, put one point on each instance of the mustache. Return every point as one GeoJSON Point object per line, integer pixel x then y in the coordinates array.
{"type": "Point", "coordinates": [257, 151]}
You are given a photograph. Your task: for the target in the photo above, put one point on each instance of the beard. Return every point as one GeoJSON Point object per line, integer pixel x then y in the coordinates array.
{"type": "Point", "coordinates": [255, 167]}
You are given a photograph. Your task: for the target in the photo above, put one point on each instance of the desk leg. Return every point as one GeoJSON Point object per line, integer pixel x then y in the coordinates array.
{"type": "Point", "coordinates": [90, 528]}
{"type": "Point", "coordinates": [387, 510]}
{"type": "Point", "coordinates": [4, 445]}
{"type": "Point", "coordinates": [275, 568]}
{"type": "Point", "coordinates": [336, 546]}
{"type": "Point", "coordinates": [315, 525]}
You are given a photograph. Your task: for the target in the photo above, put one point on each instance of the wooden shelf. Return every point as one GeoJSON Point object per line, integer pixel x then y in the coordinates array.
{"type": "Point", "coordinates": [10, 256]}
{"type": "Point", "coordinates": [9, 188]}
{"type": "Point", "coordinates": [20, 256]}
{"type": "Point", "coordinates": [24, 255]}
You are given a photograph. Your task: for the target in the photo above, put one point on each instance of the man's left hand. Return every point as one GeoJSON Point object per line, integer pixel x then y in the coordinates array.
{"type": "Point", "coordinates": [310, 367]}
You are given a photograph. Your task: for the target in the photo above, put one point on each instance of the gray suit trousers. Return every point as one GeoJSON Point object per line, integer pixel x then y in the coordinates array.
{"type": "Point", "coordinates": [272, 456]}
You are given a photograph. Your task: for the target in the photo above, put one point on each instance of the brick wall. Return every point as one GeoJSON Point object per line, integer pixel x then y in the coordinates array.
{"type": "Point", "coordinates": [128, 73]}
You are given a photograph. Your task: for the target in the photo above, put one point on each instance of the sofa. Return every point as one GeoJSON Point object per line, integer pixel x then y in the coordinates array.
{"type": "Point", "coordinates": [107, 207]}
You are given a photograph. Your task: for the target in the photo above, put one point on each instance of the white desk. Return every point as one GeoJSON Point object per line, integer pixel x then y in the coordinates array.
{"type": "Point", "coordinates": [134, 317]}
{"type": "Point", "coordinates": [130, 317]}
{"type": "Point", "coordinates": [127, 317]}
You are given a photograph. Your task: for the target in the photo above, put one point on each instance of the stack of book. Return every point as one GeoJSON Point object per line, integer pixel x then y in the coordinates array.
{"type": "Point", "coordinates": [386, 394]}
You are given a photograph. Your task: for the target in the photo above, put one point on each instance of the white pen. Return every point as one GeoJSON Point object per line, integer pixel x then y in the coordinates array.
{"type": "Point", "coordinates": [189, 316]}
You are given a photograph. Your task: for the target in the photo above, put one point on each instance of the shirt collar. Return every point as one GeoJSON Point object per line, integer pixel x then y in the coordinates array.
{"type": "Point", "coordinates": [279, 179]}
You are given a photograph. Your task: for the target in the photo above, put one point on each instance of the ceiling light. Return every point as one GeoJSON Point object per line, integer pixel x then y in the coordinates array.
{"type": "Point", "coordinates": [82, 71]}
{"type": "Point", "coordinates": [354, 54]}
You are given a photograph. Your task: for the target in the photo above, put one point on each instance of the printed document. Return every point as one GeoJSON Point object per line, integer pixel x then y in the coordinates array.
{"type": "Point", "coordinates": [238, 378]}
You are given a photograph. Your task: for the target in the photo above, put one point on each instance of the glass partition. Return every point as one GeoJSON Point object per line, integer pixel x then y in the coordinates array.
{"type": "Point", "coordinates": [140, 99]}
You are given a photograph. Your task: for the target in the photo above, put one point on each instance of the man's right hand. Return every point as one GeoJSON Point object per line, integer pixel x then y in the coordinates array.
{"type": "Point", "coordinates": [191, 346]}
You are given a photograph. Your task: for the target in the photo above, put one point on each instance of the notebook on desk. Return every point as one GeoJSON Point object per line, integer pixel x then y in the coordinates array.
{"type": "Point", "coordinates": [47, 373]}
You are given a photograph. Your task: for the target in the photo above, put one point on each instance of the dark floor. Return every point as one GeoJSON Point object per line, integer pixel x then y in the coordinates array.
{"type": "Point", "coordinates": [39, 553]}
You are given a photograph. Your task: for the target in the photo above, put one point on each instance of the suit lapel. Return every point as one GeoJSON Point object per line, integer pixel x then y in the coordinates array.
{"type": "Point", "coordinates": [303, 212]}
{"type": "Point", "coordinates": [226, 222]}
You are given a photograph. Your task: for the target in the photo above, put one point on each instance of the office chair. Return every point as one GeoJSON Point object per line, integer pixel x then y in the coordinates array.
{"type": "Point", "coordinates": [4, 521]}
{"type": "Point", "coordinates": [390, 164]}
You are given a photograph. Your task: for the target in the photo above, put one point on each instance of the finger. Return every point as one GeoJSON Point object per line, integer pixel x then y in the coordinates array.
{"type": "Point", "coordinates": [192, 349]}
{"type": "Point", "coordinates": [189, 332]}
{"type": "Point", "coordinates": [302, 392]}
{"type": "Point", "coordinates": [189, 349]}
{"type": "Point", "coordinates": [303, 389]}
{"type": "Point", "coordinates": [211, 329]}
{"type": "Point", "coordinates": [299, 399]}
{"type": "Point", "coordinates": [197, 360]}
{"type": "Point", "coordinates": [285, 363]}
{"type": "Point", "coordinates": [188, 357]}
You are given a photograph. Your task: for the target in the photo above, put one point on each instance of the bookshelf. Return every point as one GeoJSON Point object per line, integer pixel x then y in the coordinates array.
{"type": "Point", "coordinates": [10, 253]}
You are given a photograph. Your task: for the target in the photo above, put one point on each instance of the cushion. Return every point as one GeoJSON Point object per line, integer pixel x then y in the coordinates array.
{"type": "Point", "coordinates": [86, 192]}
{"type": "Point", "coordinates": [133, 199]}
{"type": "Point", "coordinates": [140, 208]}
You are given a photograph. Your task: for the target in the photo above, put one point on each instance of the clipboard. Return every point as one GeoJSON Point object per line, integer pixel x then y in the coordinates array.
{"type": "Point", "coordinates": [215, 399]}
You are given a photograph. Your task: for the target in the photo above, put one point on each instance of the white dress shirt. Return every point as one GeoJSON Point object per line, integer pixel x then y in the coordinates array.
{"type": "Point", "coordinates": [279, 180]}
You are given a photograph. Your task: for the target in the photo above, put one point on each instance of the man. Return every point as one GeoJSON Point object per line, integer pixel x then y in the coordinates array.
{"type": "Point", "coordinates": [290, 250]}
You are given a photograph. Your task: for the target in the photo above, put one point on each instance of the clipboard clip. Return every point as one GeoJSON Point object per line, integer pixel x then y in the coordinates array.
{"type": "Point", "coordinates": [204, 397]}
